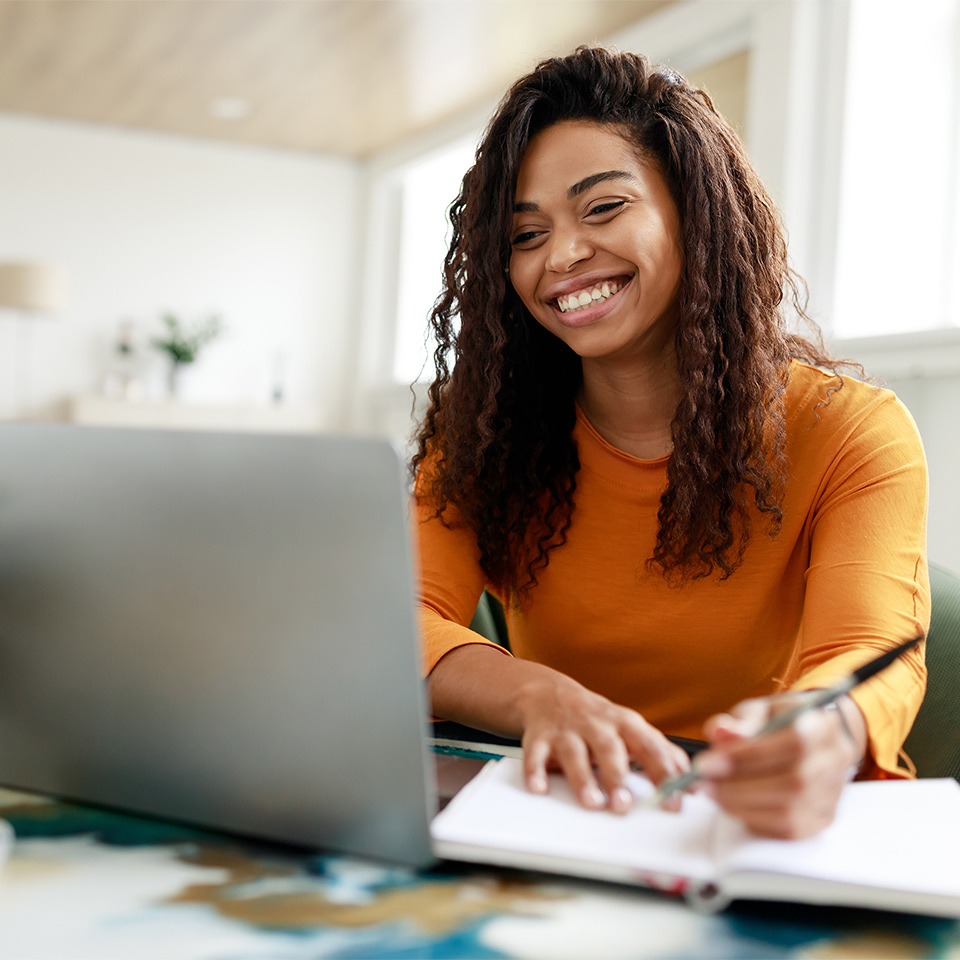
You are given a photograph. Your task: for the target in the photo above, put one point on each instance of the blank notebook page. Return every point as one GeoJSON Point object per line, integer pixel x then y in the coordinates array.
{"type": "Point", "coordinates": [897, 833]}
{"type": "Point", "coordinates": [496, 810]}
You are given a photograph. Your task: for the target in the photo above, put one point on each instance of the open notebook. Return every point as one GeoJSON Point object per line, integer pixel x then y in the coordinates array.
{"type": "Point", "coordinates": [895, 845]}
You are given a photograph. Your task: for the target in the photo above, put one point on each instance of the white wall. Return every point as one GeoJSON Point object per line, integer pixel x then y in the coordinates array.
{"type": "Point", "coordinates": [144, 223]}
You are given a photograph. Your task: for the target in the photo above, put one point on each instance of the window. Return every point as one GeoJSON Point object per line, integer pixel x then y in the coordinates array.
{"type": "Point", "coordinates": [427, 188]}
{"type": "Point", "coordinates": [898, 250]}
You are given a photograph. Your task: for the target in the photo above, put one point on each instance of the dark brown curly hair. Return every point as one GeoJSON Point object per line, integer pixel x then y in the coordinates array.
{"type": "Point", "coordinates": [497, 436]}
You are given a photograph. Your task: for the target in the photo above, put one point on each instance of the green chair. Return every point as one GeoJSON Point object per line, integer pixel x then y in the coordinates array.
{"type": "Point", "coordinates": [934, 741]}
{"type": "Point", "coordinates": [489, 620]}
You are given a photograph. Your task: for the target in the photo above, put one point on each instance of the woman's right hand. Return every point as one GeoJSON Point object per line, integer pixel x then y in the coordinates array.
{"type": "Point", "coordinates": [563, 725]}
{"type": "Point", "coordinates": [592, 741]}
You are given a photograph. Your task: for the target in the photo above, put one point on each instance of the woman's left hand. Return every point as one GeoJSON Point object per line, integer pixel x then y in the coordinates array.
{"type": "Point", "coordinates": [786, 784]}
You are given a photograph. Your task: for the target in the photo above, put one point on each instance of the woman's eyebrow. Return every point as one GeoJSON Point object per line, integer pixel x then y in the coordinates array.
{"type": "Point", "coordinates": [587, 182]}
{"type": "Point", "coordinates": [581, 185]}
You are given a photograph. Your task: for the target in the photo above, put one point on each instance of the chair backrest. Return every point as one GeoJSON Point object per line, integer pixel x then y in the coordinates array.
{"type": "Point", "coordinates": [490, 621]}
{"type": "Point", "coordinates": [934, 741]}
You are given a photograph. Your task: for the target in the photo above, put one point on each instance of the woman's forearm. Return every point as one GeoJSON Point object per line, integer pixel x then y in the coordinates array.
{"type": "Point", "coordinates": [478, 686]}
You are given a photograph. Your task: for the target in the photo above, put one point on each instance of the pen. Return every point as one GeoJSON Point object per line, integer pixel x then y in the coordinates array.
{"type": "Point", "coordinates": [818, 698]}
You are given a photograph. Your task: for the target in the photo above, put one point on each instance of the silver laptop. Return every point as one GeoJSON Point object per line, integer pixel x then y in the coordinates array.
{"type": "Point", "coordinates": [217, 628]}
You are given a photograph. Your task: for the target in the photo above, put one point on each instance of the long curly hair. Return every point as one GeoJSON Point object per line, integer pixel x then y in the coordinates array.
{"type": "Point", "coordinates": [496, 441]}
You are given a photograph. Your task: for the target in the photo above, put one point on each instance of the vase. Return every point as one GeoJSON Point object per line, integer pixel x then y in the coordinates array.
{"type": "Point", "coordinates": [176, 376]}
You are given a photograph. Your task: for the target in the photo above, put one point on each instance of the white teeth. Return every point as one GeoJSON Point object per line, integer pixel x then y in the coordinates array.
{"type": "Point", "coordinates": [587, 297]}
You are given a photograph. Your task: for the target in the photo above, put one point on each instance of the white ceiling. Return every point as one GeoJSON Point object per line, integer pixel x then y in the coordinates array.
{"type": "Point", "coordinates": [346, 77]}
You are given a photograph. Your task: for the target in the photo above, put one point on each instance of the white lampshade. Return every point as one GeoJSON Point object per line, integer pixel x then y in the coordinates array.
{"type": "Point", "coordinates": [31, 287]}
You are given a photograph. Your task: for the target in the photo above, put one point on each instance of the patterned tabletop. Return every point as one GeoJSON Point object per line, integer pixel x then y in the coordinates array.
{"type": "Point", "coordinates": [88, 883]}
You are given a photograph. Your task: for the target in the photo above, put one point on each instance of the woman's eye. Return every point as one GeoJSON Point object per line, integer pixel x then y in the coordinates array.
{"type": "Point", "coordinates": [526, 237]}
{"type": "Point", "coordinates": [602, 208]}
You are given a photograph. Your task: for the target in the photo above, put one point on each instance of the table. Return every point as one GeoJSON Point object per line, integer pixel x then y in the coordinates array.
{"type": "Point", "coordinates": [83, 882]}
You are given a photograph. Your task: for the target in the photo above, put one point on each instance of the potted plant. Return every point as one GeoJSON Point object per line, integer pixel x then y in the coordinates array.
{"type": "Point", "coordinates": [183, 344]}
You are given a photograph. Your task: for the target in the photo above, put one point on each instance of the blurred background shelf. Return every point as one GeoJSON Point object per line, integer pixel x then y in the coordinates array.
{"type": "Point", "coordinates": [94, 410]}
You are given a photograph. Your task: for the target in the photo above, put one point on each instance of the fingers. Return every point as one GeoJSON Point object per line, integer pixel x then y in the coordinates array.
{"type": "Point", "coordinates": [652, 750]}
{"type": "Point", "coordinates": [734, 754]}
{"type": "Point", "coordinates": [613, 764]}
{"type": "Point", "coordinates": [790, 805]}
{"type": "Point", "coordinates": [596, 771]}
{"type": "Point", "coordinates": [535, 756]}
{"type": "Point", "coordinates": [750, 760]}
{"type": "Point", "coordinates": [785, 784]}
{"type": "Point", "coordinates": [633, 739]}
{"type": "Point", "coordinates": [573, 755]}
{"type": "Point", "coordinates": [593, 741]}
{"type": "Point", "coordinates": [774, 814]}
{"type": "Point", "coordinates": [743, 721]}
{"type": "Point", "coordinates": [659, 758]}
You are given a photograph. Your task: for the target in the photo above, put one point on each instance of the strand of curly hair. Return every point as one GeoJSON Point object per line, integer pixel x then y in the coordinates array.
{"type": "Point", "coordinates": [496, 440]}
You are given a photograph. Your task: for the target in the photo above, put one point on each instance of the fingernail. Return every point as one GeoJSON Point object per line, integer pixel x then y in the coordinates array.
{"type": "Point", "coordinates": [714, 765]}
{"type": "Point", "coordinates": [621, 799]}
{"type": "Point", "coordinates": [537, 783]}
{"type": "Point", "coordinates": [591, 797]}
{"type": "Point", "coordinates": [728, 726]}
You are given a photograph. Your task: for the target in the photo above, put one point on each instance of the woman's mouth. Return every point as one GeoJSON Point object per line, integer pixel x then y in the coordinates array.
{"type": "Point", "coordinates": [591, 302]}
{"type": "Point", "coordinates": [588, 296]}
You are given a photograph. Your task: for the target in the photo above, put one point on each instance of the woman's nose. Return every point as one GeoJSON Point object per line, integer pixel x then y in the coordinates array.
{"type": "Point", "coordinates": [568, 247]}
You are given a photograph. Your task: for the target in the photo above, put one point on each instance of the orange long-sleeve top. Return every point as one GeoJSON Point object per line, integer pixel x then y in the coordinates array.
{"type": "Point", "coordinates": [843, 580]}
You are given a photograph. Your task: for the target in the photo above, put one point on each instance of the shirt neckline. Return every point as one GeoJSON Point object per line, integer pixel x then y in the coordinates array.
{"type": "Point", "coordinates": [611, 450]}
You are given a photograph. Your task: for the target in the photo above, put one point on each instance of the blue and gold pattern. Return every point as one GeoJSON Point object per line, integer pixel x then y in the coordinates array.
{"type": "Point", "coordinates": [87, 882]}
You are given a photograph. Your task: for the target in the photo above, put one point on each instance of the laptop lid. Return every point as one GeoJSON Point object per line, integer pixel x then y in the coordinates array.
{"type": "Point", "coordinates": [217, 628]}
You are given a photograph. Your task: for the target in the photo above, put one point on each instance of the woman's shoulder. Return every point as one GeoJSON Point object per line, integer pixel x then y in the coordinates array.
{"type": "Point", "coordinates": [820, 403]}
{"type": "Point", "coordinates": [823, 393]}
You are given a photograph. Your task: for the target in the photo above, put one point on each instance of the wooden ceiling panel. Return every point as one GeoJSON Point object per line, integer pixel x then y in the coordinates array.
{"type": "Point", "coordinates": [347, 77]}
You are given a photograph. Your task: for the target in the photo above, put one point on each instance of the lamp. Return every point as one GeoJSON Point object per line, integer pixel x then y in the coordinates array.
{"type": "Point", "coordinates": [29, 289]}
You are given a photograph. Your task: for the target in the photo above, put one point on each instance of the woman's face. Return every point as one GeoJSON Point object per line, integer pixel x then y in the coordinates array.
{"type": "Point", "coordinates": [596, 250]}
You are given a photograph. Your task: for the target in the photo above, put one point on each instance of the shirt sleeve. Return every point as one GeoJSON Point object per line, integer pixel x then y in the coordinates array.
{"type": "Point", "coordinates": [451, 579]}
{"type": "Point", "coordinates": [867, 587]}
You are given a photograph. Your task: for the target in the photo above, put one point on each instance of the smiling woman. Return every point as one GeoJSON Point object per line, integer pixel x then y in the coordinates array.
{"type": "Point", "coordinates": [689, 514]}
{"type": "Point", "coordinates": [597, 257]}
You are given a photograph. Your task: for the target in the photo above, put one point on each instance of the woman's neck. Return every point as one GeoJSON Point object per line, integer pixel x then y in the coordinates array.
{"type": "Point", "coordinates": [633, 407]}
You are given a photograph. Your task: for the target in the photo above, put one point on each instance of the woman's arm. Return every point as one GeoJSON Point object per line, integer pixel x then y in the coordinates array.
{"type": "Point", "coordinates": [562, 725]}
{"type": "Point", "coordinates": [866, 591]}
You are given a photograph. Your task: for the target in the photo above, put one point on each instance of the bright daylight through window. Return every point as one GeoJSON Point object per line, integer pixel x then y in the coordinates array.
{"type": "Point", "coordinates": [898, 245]}
{"type": "Point", "coordinates": [428, 188]}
